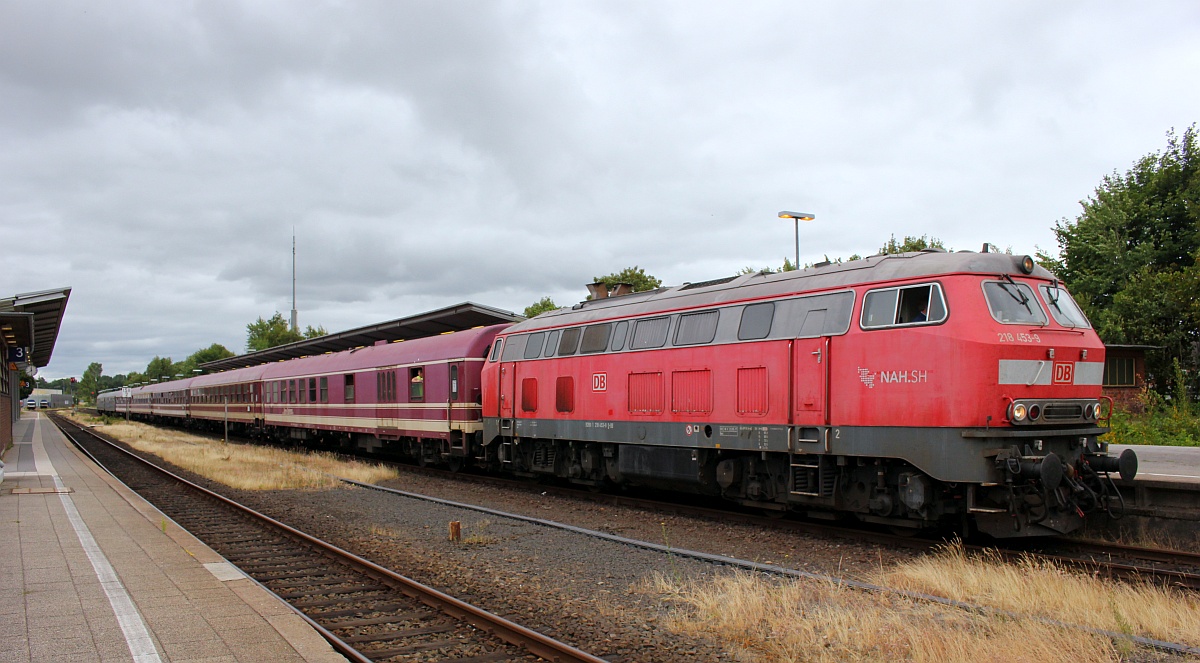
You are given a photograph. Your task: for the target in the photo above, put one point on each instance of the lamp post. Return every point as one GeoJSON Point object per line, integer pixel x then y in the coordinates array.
{"type": "Point", "coordinates": [797, 217]}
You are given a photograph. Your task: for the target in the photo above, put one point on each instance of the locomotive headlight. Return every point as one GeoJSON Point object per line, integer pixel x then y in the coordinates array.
{"type": "Point", "coordinates": [1089, 412]}
{"type": "Point", "coordinates": [1035, 412]}
{"type": "Point", "coordinates": [1018, 412]}
{"type": "Point", "coordinates": [1027, 264]}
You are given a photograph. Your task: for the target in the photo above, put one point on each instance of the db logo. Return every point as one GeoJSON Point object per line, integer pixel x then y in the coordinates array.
{"type": "Point", "coordinates": [1064, 373]}
{"type": "Point", "coordinates": [599, 381]}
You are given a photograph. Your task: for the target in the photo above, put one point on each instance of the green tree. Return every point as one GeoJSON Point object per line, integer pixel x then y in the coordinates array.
{"type": "Point", "coordinates": [635, 276]}
{"type": "Point", "coordinates": [203, 356]}
{"type": "Point", "coordinates": [310, 332]}
{"type": "Point", "coordinates": [162, 368]}
{"type": "Point", "coordinates": [910, 244]}
{"type": "Point", "coordinates": [89, 384]}
{"type": "Point", "coordinates": [1131, 257]}
{"type": "Point", "coordinates": [262, 334]}
{"type": "Point", "coordinates": [539, 307]}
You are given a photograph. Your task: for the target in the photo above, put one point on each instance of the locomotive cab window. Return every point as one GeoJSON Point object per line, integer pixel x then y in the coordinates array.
{"type": "Point", "coordinates": [1064, 309]}
{"type": "Point", "coordinates": [496, 349]}
{"type": "Point", "coordinates": [619, 334]}
{"type": "Point", "coordinates": [911, 305]}
{"type": "Point", "coordinates": [552, 343]}
{"type": "Point", "coordinates": [1013, 303]}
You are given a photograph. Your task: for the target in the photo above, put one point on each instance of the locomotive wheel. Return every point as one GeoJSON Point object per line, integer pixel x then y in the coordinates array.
{"type": "Point", "coordinates": [456, 463]}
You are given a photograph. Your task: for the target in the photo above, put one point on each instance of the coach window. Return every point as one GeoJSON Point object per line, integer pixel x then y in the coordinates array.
{"type": "Point", "coordinates": [1013, 303]}
{"type": "Point", "coordinates": [650, 333]}
{"type": "Point", "coordinates": [552, 343]}
{"type": "Point", "coordinates": [595, 338]}
{"type": "Point", "coordinates": [496, 349]}
{"type": "Point", "coordinates": [416, 384]}
{"type": "Point", "coordinates": [303, 395]}
{"type": "Point", "coordinates": [533, 345]}
{"type": "Point", "coordinates": [349, 388]}
{"type": "Point", "coordinates": [324, 390]}
{"type": "Point", "coordinates": [312, 390]}
{"type": "Point", "coordinates": [619, 334]}
{"type": "Point", "coordinates": [293, 394]}
{"type": "Point", "coordinates": [697, 328]}
{"type": "Point", "coordinates": [569, 342]}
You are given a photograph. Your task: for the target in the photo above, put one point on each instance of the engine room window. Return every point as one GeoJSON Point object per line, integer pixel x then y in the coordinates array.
{"type": "Point", "coordinates": [910, 305]}
{"type": "Point", "coordinates": [1064, 309]}
{"type": "Point", "coordinates": [756, 321]}
{"type": "Point", "coordinates": [650, 333]}
{"type": "Point", "coordinates": [595, 338]}
{"type": "Point", "coordinates": [416, 384]}
{"type": "Point", "coordinates": [1013, 303]}
{"type": "Point", "coordinates": [697, 328]}
{"type": "Point", "coordinates": [569, 341]}
{"type": "Point", "coordinates": [533, 345]}
{"type": "Point", "coordinates": [619, 334]}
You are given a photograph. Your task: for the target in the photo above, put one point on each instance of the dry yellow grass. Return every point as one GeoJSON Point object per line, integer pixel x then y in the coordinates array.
{"type": "Point", "coordinates": [249, 467]}
{"type": "Point", "coordinates": [769, 620]}
{"type": "Point", "coordinates": [1038, 587]}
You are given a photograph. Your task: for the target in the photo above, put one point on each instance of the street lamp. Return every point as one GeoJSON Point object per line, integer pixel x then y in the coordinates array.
{"type": "Point", "coordinates": [797, 217]}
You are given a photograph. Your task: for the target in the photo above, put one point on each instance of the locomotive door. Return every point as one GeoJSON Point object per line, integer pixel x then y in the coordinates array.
{"type": "Point", "coordinates": [810, 381]}
{"type": "Point", "coordinates": [508, 388]}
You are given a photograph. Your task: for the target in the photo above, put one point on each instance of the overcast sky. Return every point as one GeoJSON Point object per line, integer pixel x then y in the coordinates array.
{"type": "Point", "coordinates": [155, 156]}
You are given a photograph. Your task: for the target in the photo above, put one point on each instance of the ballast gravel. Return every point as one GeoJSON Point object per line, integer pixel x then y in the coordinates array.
{"type": "Point", "coordinates": [595, 594]}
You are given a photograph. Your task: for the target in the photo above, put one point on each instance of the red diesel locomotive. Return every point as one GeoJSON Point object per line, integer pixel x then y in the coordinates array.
{"type": "Point", "coordinates": [913, 390]}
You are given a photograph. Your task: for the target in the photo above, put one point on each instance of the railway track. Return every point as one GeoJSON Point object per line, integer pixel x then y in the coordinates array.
{"type": "Point", "coordinates": [1110, 560]}
{"type": "Point", "coordinates": [367, 612]}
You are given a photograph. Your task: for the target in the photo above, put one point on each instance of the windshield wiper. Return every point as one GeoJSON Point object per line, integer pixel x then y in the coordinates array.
{"type": "Point", "coordinates": [1016, 293]}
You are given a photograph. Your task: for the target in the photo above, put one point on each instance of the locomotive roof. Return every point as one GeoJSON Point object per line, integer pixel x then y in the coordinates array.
{"type": "Point", "coordinates": [874, 269]}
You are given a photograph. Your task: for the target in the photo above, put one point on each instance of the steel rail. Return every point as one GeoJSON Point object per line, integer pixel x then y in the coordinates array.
{"type": "Point", "coordinates": [511, 632]}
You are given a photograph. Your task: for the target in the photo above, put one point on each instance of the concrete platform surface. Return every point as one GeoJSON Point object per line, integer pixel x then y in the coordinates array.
{"type": "Point", "coordinates": [1169, 464]}
{"type": "Point", "coordinates": [91, 572]}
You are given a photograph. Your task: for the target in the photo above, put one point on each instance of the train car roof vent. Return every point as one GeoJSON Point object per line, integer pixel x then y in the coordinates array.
{"type": "Point", "coordinates": [598, 290]}
{"type": "Point", "coordinates": [622, 289]}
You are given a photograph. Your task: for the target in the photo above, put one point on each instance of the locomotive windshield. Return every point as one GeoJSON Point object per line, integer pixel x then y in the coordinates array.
{"type": "Point", "coordinates": [1013, 303]}
{"type": "Point", "coordinates": [1064, 309]}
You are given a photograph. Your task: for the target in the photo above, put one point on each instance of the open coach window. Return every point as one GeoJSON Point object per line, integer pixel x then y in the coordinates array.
{"type": "Point", "coordinates": [911, 305]}
{"type": "Point", "coordinates": [1013, 303]}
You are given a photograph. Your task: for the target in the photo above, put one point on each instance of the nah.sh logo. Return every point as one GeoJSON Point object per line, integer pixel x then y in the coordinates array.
{"type": "Point", "coordinates": [1064, 372]}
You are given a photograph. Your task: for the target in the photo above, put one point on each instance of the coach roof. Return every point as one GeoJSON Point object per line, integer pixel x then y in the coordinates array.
{"type": "Point", "coordinates": [875, 269]}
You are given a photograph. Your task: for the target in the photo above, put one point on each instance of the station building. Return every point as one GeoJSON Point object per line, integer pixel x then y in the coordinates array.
{"type": "Point", "coordinates": [29, 326]}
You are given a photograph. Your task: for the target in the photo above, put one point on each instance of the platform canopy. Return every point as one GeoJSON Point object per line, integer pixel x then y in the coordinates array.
{"type": "Point", "coordinates": [33, 318]}
{"type": "Point", "coordinates": [432, 323]}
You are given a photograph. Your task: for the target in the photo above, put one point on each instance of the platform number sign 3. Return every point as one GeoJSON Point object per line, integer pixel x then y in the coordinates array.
{"type": "Point", "coordinates": [599, 381]}
{"type": "Point", "coordinates": [1064, 372]}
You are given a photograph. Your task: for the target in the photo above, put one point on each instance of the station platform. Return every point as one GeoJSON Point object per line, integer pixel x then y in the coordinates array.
{"type": "Point", "coordinates": [1167, 464]}
{"type": "Point", "coordinates": [91, 572]}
